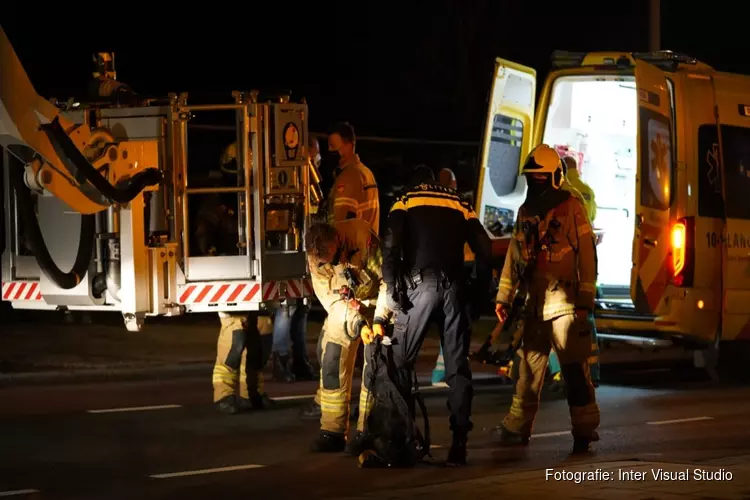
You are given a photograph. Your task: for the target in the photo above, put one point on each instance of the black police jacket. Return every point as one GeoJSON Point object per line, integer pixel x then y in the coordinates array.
{"type": "Point", "coordinates": [427, 228]}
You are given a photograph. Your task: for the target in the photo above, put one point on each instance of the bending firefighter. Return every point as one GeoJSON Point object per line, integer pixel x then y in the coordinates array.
{"type": "Point", "coordinates": [552, 260]}
{"type": "Point", "coordinates": [344, 261]}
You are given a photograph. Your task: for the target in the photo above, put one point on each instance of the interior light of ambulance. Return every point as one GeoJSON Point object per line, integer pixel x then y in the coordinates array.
{"type": "Point", "coordinates": [700, 304]}
{"type": "Point", "coordinates": [678, 248]}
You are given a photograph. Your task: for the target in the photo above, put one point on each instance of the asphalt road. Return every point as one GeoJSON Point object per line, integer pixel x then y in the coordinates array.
{"type": "Point", "coordinates": [93, 441]}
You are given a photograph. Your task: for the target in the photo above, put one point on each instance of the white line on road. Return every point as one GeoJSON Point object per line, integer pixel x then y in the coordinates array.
{"type": "Point", "coordinates": [292, 398]}
{"type": "Point", "coordinates": [135, 408]}
{"type": "Point", "coordinates": [17, 492]}
{"type": "Point", "coordinates": [550, 434]}
{"type": "Point", "coordinates": [679, 421]}
{"type": "Point", "coordinates": [206, 471]}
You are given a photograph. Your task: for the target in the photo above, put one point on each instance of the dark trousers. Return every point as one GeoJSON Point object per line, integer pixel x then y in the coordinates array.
{"type": "Point", "coordinates": [436, 299]}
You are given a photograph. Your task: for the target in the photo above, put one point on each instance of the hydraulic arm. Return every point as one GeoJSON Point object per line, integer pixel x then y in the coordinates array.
{"type": "Point", "coordinates": [84, 168]}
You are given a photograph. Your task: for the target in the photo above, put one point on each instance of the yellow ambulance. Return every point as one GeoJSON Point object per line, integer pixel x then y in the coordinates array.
{"type": "Point", "coordinates": [664, 142]}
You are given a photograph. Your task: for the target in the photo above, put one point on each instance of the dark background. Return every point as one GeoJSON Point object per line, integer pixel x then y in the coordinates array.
{"type": "Point", "coordinates": [408, 69]}
{"type": "Point", "coordinates": [396, 69]}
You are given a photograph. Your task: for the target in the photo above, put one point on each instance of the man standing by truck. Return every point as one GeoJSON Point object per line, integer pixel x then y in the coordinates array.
{"type": "Point", "coordinates": [355, 192]}
{"type": "Point", "coordinates": [552, 257]}
{"type": "Point", "coordinates": [244, 343]}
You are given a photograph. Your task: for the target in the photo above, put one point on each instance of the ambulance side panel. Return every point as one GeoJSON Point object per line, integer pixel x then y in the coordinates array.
{"type": "Point", "coordinates": [733, 106]}
{"type": "Point", "coordinates": [695, 307]}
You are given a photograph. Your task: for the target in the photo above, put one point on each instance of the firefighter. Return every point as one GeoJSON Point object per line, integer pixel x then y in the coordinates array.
{"type": "Point", "coordinates": [344, 261]}
{"type": "Point", "coordinates": [423, 269]}
{"type": "Point", "coordinates": [552, 256]}
{"type": "Point", "coordinates": [244, 343]}
{"type": "Point", "coordinates": [577, 188]}
{"type": "Point", "coordinates": [355, 193]}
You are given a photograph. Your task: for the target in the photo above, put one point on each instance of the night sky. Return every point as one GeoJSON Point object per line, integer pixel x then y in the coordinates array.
{"type": "Point", "coordinates": [393, 69]}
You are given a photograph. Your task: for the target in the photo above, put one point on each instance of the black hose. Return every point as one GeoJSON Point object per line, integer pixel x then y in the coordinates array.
{"type": "Point", "coordinates": [35, 239]}
{"type": "Point", "coordinates": [80, 167]}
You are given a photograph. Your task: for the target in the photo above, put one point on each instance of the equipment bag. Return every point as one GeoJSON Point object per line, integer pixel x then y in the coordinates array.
{"type": "Point", "coordinates": [395, 439]}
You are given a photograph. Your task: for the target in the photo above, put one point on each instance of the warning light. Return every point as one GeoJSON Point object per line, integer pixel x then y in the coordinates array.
{"type": "Point", "coordinates": [700, 304]}
{"type": "Point", "coordinates": [678, 247]}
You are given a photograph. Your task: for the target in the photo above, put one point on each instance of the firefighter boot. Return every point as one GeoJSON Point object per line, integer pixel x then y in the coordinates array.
{"type": "Point", "coordinates": [329, 442]}
{"type": "Point", "coordinates": [282, 368]}
{"type": "Point", "coordinates": [227, 405]}
{"type": "Point", "coordinates": [457, 453]}
{"type": "Point", "coordinates": [358, 444]}
{"type": "Point", "coordinates": [504, 437]}
{"type": "Point", "coordinates": [311, 412]}
{"type": "Point", "coordinates": [582, 445]}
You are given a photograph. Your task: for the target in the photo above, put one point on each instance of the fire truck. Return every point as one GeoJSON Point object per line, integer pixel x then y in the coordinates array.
{"type": "Point", "coordinates": [99, 198]}
{"type": "Point", "coordinates": [662, 139]}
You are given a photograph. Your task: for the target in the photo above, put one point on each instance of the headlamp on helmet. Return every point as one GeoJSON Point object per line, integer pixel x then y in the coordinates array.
{"type": "Point", "coordinates": [544, 160]}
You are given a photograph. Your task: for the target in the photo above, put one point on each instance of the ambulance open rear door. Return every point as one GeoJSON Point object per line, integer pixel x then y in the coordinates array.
{"type": "Point", "coordinates": [653, 259]}
{"type": "Point", "coordinates": [507, 140]}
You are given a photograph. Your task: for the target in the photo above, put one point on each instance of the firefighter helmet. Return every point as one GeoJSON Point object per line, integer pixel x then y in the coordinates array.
{"type": "Point", "coordinates": [544, 160]}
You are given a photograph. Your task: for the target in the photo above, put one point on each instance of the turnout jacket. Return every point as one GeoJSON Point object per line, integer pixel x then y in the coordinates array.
{"type": "Point", "coordinates": [355, 196]}
{"type": "Point", "coordinates": [360, 253]}
{"type": "Point", "coordinates": [557, 250]}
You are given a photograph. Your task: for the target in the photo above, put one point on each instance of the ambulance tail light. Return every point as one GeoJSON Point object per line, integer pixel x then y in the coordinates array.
{"type": "Point", "coordinates": [682, 241]}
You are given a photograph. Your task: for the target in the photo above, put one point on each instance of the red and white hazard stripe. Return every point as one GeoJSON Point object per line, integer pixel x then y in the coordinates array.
{"type": "Point", "coordinates": [219, 293]}
{"type": "Point", "coordinates": [237, 292]}
{"type": "Point", "coordinates": [299, 288]}
{"type": "Point", "coordinates": [22, 290]}
{"type": "Point", "coordinates": [271, 290]}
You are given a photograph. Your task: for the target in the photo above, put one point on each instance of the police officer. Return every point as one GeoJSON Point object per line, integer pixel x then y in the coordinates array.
{"type": "Point", "coordinates": [573, 183]}
{"type": "Point", "coordinates": [244, 343]}
{"type": "Point", "coordinates": [345, 262]}
{"type": "Point", "coordinates": [355, 193]}
{"type": "Point", "coordinates": [423, 246]}
{"type": "Point", "coordinates": [553, 255]}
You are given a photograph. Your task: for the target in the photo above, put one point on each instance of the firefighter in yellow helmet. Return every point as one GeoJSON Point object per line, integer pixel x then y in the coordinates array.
{"type": "Point", "coordinates": [552, 260]}
{"type": "Point", "coordinates": [244, 343]}
{"type": "Point", "coordinates": [345, 266]}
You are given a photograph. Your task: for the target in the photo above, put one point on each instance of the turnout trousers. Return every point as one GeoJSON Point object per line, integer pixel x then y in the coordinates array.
{"type": "Point", "coordinates": [242, 351]}
{"type": "Point", "coordinates": [337, 354]}
{"type": "Point", "coordinates": [436, 299]}
{"type": "Point", "coordinates": [571, 339]}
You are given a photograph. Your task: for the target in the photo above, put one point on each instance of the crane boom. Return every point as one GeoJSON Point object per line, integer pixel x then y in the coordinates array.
{"type": "Point", "coordinates": [62, 156]}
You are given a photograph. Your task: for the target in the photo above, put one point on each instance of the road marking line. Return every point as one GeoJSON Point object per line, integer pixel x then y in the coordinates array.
{"type": "Point", "coordinates": [291, 398]}
{"type": "Point", "coordinates": [550, 434]}
{"type": "Point", "coordinates": [135, 408]}
{"type": "Point", "coordinates": [679, 421]}
{"type": "Point", "coordinates": [17, 492]}
{"type": "Point", "coordinates": [206, 471]}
